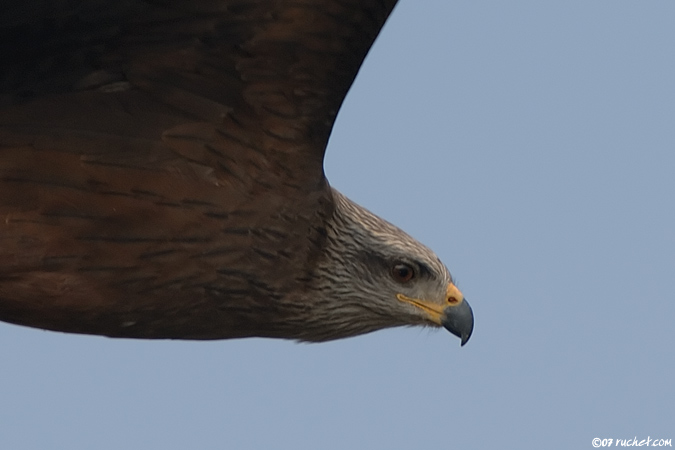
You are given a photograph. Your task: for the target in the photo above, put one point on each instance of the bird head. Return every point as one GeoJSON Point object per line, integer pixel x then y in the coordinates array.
{"type": "Point", "coordinates": [377, 276]}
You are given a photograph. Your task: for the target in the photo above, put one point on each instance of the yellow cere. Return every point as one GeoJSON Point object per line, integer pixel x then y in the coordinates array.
{"type": "Point", "coordinates": [453, 295]}
{"type": "Point", "coordinates": [434, 310]}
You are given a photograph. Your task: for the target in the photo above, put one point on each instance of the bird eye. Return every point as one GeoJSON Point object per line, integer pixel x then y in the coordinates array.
{"type": "Point", "coordinates": [402, 272]}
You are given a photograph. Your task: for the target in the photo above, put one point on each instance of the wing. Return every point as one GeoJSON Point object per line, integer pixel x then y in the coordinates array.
{"type": "Point", "coordinates": [268, 76]}
{"type": "Point", "coordinates": [161, 161]}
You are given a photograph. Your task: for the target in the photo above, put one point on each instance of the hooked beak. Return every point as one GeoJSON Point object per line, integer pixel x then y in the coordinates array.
{"type": "Point", "coordinates": [459, 320]}
{"type": "Point", "coordinates": [455, 315]}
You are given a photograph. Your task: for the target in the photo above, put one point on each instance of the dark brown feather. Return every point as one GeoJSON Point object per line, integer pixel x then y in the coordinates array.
{"type": "Point", "coordinates": [161, 161]}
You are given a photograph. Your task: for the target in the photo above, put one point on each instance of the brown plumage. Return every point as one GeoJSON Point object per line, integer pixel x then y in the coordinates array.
{"type": "Point", "coordinates": [161, 174]}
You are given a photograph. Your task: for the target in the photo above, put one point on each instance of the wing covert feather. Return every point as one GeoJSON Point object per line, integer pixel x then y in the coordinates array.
{"type": "Point", "coordinates": [161, 161]}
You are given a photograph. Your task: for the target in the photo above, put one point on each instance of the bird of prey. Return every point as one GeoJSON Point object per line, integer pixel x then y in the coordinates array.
{"type": "Point", "coordinates": [161, 175]}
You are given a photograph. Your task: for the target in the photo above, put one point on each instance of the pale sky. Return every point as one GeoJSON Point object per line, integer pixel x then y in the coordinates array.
{"type": "Point", "coordinates": [532, 146]}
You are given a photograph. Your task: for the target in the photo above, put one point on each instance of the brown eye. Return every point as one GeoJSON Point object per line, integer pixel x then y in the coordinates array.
{"type": "Point", "coordinates": [402, 272]}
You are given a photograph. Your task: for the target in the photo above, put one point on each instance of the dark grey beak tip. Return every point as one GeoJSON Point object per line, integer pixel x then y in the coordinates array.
{"type": "Point", "coordinates": [459, 321]}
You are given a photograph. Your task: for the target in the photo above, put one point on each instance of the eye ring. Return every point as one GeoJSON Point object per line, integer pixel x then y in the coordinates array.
{"type": "Point", "coordinates": [402, 272]}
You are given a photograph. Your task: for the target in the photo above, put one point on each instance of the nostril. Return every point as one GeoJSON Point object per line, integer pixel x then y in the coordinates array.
{"type": "Point", "coordinates": [452, 300]}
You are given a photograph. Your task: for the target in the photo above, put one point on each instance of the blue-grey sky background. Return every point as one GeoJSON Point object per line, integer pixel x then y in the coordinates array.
{"type": "Point", "coordinates": [532, 145]}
